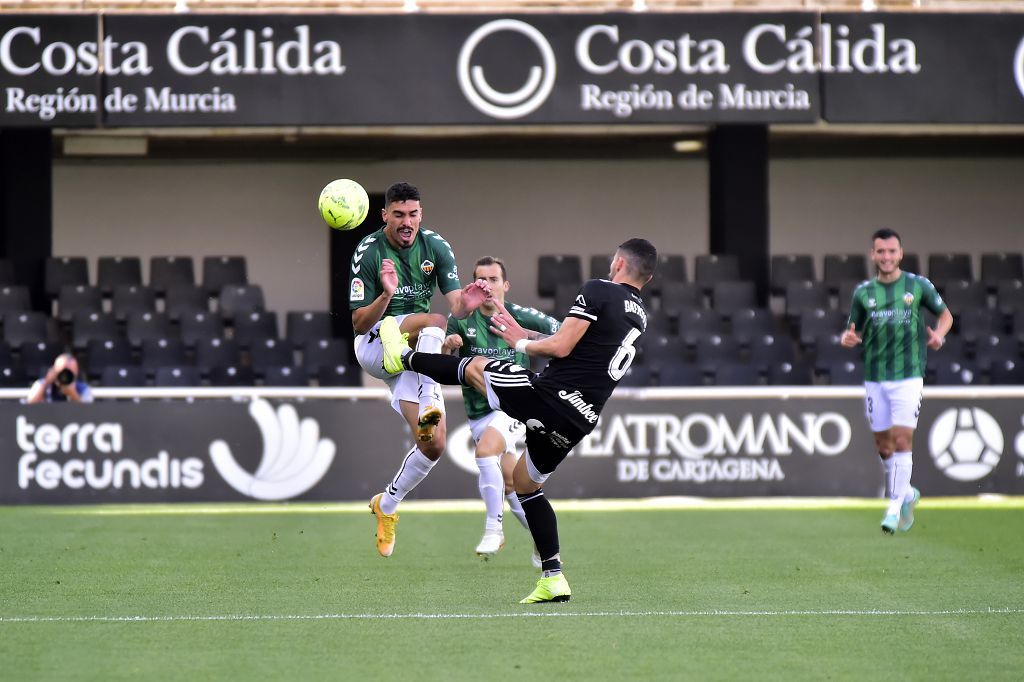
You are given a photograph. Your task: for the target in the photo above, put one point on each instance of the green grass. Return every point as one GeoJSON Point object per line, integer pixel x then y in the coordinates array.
{"type": "Point", "coordinates": [703, 593]}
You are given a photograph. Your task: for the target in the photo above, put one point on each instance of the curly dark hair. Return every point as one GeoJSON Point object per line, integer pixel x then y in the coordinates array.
{"type": "Point", "coordinates": [401, 191]}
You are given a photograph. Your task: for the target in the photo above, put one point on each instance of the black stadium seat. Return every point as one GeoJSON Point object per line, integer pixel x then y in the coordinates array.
{"type": "Point", "coordinates": [76, 299]}
{"type": "Point", "coordinates": [132, 298]}
{"type": "Point", "coordinates": [285, 376]}
{"type": "Point", "coordinates": [943, 267]}
{"type": "Point", "coordinates": [14, 298]}
{"type": "Point", "coordinates": [221, 271]}
{"type": "Point", "coordinates": [65, 271]}
{"type": "Point", "coordinates": [237, 299]}
{"type": "Point", "coordinates": [841, 267]}
{"type": "Point", "coordinates": [996, 267]}
{"type": "Point", "coordinates": [301, 327]}
{"type": "Point", "coordinates": [38, 356]}
{"type": "Point", "coordinates": [553, 270]}
{"type": "Point", "coordinates": [24, 327]}
{"type": "Point", "coordinates": [182, 376]}
{"type": "Point", "coordinates": [118, 271]}
{"type": "Point", "coordinates": [790, 268]}
{"type": "Point", "coordinates": [166, 272]}
{"type": "Point", "coordinates": [711, 268]}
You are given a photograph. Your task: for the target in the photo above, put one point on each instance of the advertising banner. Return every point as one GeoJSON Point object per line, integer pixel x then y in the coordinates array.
{"type": "Point", "coordinates": [340, 450]}
{"type": "Point", "coordinates": [413, 69]}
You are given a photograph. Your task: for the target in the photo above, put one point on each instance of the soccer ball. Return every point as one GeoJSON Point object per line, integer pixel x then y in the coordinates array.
{"type": "Point", "coordinates": [343, 204]}
{"type": "Point", "coordinates": [966, 443]}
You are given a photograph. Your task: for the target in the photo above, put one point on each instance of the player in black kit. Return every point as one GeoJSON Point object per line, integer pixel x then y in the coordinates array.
{"type": "Point", "coordinates": [590, 354]}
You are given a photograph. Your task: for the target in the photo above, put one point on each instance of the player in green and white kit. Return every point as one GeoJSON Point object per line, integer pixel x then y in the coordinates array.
{"type": "Point", "coordinates": [494, 432]}
{"type": "Point", "coordinates": [393, 273]}
{"type": "Point", "coordinates": [885, 316]}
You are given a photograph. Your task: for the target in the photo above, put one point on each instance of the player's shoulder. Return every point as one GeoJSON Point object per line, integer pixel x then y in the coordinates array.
{"type": "Point", "coordinates": [919, 279]}
{"type": "Point", "coordinates": [433, 237]}
{"type": "Point", "coordinates": [862, 286]}
{"type": "Point", "coordinates": [372, 241]}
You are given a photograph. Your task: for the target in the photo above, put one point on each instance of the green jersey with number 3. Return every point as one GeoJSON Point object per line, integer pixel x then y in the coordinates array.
{"type": "Point", "coordinates": [888, 317]}
{"type": "Point", "coordinates": [478, 341]}
{"type": "Point", "coordinates": [428, 262]}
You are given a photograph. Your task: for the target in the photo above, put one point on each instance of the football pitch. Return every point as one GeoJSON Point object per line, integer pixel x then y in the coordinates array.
{"type": "Point", "coordinates": [743, 589]}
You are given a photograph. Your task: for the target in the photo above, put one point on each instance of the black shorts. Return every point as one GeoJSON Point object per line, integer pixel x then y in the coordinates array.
{"type": "Point", "coordinates": [550, 432]}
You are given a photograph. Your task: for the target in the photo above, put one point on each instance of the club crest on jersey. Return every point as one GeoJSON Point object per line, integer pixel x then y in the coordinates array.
{"type": "Point", "coordinates": [471, 332]}
{"type": "Point", "coordinates": [908, 298]}
{"type": "Point", "coordinates": [356, 292]}
{"type": "Point", "coordinates": [427, 267]}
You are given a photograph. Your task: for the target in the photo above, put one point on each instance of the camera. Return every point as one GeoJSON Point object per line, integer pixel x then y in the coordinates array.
{"type": "Point", "coordinates": [65, 377]}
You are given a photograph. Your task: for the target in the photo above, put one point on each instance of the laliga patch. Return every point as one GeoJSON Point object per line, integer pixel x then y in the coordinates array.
{"type": "Point", "coordinates": [908, 298]}
{"type": "Point", "coordinates": [357, 292]}
{"type": "Point", "coordinates": [427, 267]}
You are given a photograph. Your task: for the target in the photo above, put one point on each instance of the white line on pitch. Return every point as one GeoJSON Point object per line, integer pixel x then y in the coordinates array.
{"type": "Point", "coordinates": [525, 614]}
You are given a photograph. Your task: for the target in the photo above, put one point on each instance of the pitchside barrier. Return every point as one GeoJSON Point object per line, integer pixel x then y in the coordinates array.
{"type": "Point", "coordinates": [207, 444]}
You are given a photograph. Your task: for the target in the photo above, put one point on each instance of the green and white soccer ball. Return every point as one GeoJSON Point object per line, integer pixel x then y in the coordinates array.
{"type": "Point", "coordinates": [966, 443]}
{"type": "Point", "coordinates": [343, 204]}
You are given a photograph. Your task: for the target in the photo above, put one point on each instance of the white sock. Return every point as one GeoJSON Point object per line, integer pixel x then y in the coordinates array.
{"type": "Point", "coordinates": [894, 500]}
{"type": "Point", "coordinates": [430, 340]}
{"type": "Point", "coordinates": [517, 509]}
{"type": "Point", "coordinates": [414, 469]}
{"type": "Point", "coordinates": [904, 464]}
{"type": "Point", "coordinates": [492, 485]}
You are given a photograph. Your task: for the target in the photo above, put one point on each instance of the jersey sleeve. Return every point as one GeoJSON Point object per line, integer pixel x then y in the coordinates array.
{"type": "Point", "coordinates": [930, 298]}
{"type": "Point", "coordinates": [589, 301]}
{"type": "Point", "coordinates": [453, 326]}
{"type": "Point", "coordinates": [858, 313]}
{"type": "Point", "coordinates": [533, 319]}
{"type": "Point", "coordinates": [364, 274]}
{"type": "Point", "coordinates": [444, 262]}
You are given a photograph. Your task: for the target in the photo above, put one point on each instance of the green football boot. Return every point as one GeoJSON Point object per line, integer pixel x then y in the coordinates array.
{"type": "Point", "coordinates": [395, 344]}
{"type": "Point", "coordinates": [555, 588]}
{"type": "Point", "coordinates": [907, 511]}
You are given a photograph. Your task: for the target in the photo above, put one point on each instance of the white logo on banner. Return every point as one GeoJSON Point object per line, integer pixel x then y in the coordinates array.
{"type": "Point", "coordinates": [294, 459]}
{"type": "Point", "coordinates": [1018, 67]}
{"type": "Point", "coordinates": [965, 443]}
{"type": "Point", "coordinates": [506, 105]}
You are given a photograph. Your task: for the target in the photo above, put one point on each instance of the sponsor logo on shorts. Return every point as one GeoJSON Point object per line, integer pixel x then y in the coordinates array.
{"type": "Point", "coordinates": [575, 398]}
{"type": "Point", "coordinates": [356, 292]}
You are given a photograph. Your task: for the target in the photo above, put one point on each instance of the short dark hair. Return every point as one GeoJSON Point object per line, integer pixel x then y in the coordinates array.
{"type": "Point", "coordinates": [641, 257]}
{"type": "Point", "coordinates": [886, 233]}
{"type": "Point", "coordinates": [490, 260]}
{"type": "Point", "coordinates": [401, 191]}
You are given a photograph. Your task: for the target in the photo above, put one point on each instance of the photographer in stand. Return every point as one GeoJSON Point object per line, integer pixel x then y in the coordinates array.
{"type": "Point", "coordinates": [61, 384]}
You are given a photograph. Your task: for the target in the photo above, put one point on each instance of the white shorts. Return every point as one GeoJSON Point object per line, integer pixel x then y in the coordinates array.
{"type": "Point", "coordinates": [893, 403]}
{"type": "Point", "coordinates": [404, 386]}
{"type": "Point", "coordinates": [510, 429]}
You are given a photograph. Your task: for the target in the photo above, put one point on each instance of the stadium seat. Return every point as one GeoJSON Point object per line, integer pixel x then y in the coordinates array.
{"type": "Point", "coordinates": [12, 375]}
{"type": "Point", "coordinates": [285, 376]}
{"type": "Point", "coordinates": [183, 376]}
{"type": "Point", "coordinates": [845, 374]}
{"type": "Point", "coordinates": [128, 376]}
{"type": "Point", "coordinates": [553, 270]}
{"type": "Point", "coordinates": [660, 349]}
{"type": "Point", "coordinates": [565, 297]}
{"type": "Point", "coordinates": [88, 326]}
{"type": "Point", "coordinates": [805, 295]}
{"type": "Point", "coordinates": [680, 374]}
{"type": "Point", "coordinates": [38, 356]}
{"type": "Point", "coordinates": [14, 298]}
{"type": "Point", "coordinates": [235, 300]}
{"type": "Point", "coordinates": [222, 271]}
{"type": "Point", "coordinates": [1017, 323]}
{"type": "Point", "coordinates": [251, 327]}
{"type": "Point", "coordinates": [184, 299]}
{"type": "Point", "coordinates": [974, 323]}
{"type": "Point", "coordinates": [103, 353]}
{"type": "Point", "coordinates": [767, 350]}
{"type": "Point", "coordinates": [996, 267]}
{"type": "Point", "coordinates": [817, 322]}
{"type": "Point", "coordinates": [637, 377]}
{"type": "Point", "coordinates": [829, 352]}
{"type": "Point", "coordinates": [270, 352]}
{"type": "Point", "coordinates": [728, 297]}
{"type": "Point", "coordinates": [6, 353]}
{"type": "Point", "coordinates": [962, 294]}
{"type": "Point", "coordinates": [600, 266]}
{"type": "Point", "coordinates": [995, 348]}
{"type": "Point", "coordinates": [1009, 296]}
{"type": "Point", "coordinates": [711, 268]}
{"type": "Point", "coordinates": [118, 271]}
{"type": "Point", "coordinates": [7, 277]}
{"type": "Point", "coordinates": [750, 322]}
{"type": "Point", "coordinates": [198, 326]}
{"type": "Point", "coordinates": [956, 373]}
{"type": "Point", "coordinates": [714, 350]}
{"type": "Point", "coordinates": [943, 267]}
{"type": "Point", "coordinates": [1007, 373]}
{"type": "Point", "coordinates": [145, 326]}
{"type": "Point", "coordinates": [697, 323]}
{"type": "Point", "coordinates": [736, 374]}
{"type": "Point", "coordinates": [789, 374]}
{"type": "Point", "coordinates": [678, 297]}
{"type": "Point", "coordinates": [840, 267]}
{"type": "Point", "coordinates": [162, 353]}
{"type": "Point", "coordinates": [77, 299]}
{"type": "Point", "coordinates": [167, 272]}
{"type": "Point", "coordinates": [670, 268]}
{"type": "Point", "coordinates": [790, 268]}
{"type": "Point", "coordinates": [30, 326]}
{"type": "Point", "coordinates": [301, 327]}
{"type": "Point", "coordinates": [62, 272]}
{"type": "Point", "coordinates": [217, 352]}
{"type": "Point", "coordinates": [132, 298]}
{"type": "Point", "coordinates": [233, 375]}
{"type": "Point", "coordinates": [911, 263]}
{"type": "Point", "coordinates": [845, 295]}
{"type": "Point", "coordinates": [341, 375]}
{"type": "Point", "coordinates": [955, 348]}
{"type": "Point", "coordinates": [324, 353]}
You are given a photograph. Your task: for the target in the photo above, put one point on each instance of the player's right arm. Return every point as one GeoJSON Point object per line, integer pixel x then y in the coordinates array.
{"type": "Point", "coordinates": [365, 316]}
{"type": "Point", "coordinates": [855, 323]}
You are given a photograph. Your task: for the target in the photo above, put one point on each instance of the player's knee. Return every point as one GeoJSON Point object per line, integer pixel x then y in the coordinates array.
{"type": "Point", "coordinates": [436, 320]}
{"type": "Point", "coordinates": [434, 448]}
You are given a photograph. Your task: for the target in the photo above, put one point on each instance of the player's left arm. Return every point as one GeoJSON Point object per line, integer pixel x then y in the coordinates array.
{"type": "Point", "coordinates": [933, 302]}
{"type": "Point", "coordinates": [536, 324]}
{"type": "Point", "coordinates": [558, 345]}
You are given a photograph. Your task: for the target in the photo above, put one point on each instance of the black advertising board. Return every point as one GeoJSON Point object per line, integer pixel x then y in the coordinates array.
{"type": "Point", "coordinates": [342, 450]}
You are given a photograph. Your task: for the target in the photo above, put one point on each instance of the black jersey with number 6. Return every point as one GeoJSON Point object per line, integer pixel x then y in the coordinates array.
{"type": "Point", "coordinates": [584, 379]}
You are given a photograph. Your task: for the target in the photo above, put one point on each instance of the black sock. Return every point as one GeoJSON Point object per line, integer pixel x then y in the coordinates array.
{"type": "Point", "coordinates": [543, 526]}
{"type": "Point", "coordinates": [444, 369]}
